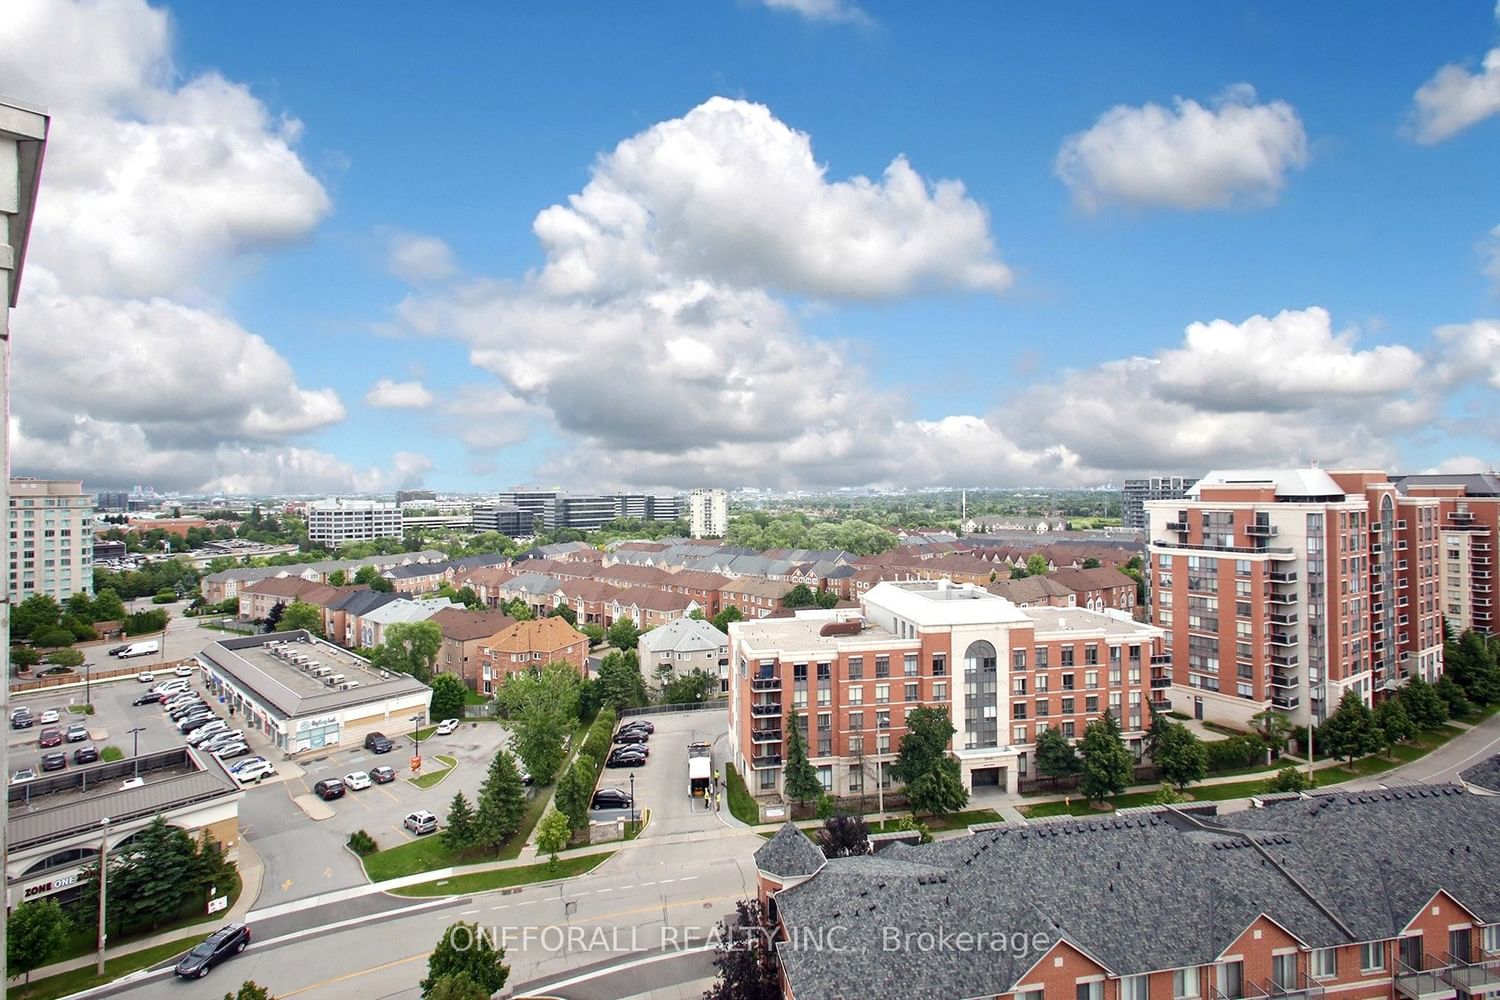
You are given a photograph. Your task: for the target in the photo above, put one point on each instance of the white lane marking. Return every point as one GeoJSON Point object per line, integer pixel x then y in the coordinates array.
{"type": "Point", "coordinates": [527, 902]}
{"type": "Point", "coordinates": [667, 881]}
{"type": "Point", "coordinates": [465, 913]}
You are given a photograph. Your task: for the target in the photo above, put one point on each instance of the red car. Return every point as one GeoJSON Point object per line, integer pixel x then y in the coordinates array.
{"type": "Point", "coordinates": [50, 738]}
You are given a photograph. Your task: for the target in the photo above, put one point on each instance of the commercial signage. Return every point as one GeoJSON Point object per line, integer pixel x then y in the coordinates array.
{"type": "Point", "coordinates": [218, 903]}
{"type": "Point", "coordinates": [328, 720]}
{"type": "Point", "coordinates": [55, 884]}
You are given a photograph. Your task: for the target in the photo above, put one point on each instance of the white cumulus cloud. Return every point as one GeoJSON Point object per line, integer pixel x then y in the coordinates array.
{"type": "Point", "coordinates": [1456, 98]}
{"type": "Point", "coordinates": [823, 10]}
{"type": "Point", "coordinates": [416, 258]}
{"type": "Point", "coordinates": [1234, 151]}
{"type": "Point", "coordinates": [391, 395]}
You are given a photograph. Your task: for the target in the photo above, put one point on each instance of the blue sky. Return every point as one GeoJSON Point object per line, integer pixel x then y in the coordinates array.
{"type": "Point", "coordinates": [315, 203]}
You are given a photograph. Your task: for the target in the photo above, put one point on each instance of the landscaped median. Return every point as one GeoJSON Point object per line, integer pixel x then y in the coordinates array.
{"type": "Point", "coordinates": [505, 878]}
{"type": "Point", "coordinates": [429, 778]}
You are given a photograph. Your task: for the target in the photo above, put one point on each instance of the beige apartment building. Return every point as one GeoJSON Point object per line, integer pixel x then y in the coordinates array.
{"type": "Point", "coordinates": [51, 539]}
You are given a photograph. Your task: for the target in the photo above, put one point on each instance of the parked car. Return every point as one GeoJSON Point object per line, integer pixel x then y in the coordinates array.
{"type": "Point", "coordinates": [420, 822]}
{"type": "Point", "coordinates": [145, 677]}
{"type": "Point", "coordinates": [219, 945]}
{"type": "Point", "coordinates": [195, 722]}
{"type": "Point", "coordinates": [632, 736]}
{"type": "Point", "coordinates": [232, 750]}
{"type": "Point", "coordinates": [446, 727]}
{"type": "Point", "coordinates": [611, 798]}
{"type": "Point", "coordinates": [149, 698]}
{"type": "Point", "coordinates": [117, 650]}
{"type": "Point", "coordinates": [220, 740]}
{"type": "Point", "coordinates": [54, 761]}
{"type": "Point", "coordinates": [382, 775]}
{"type": "Point", "coordinates": [357, 781]}
{"type": "Point", "coordinates": [625, 760]}
{"type": "Point", "coordinates": [21, 774]}
{"type": "Point", "coordinates": [253, 770]}
{"type": "Point", "coordinates": [21, 719]}
{"type": "Point", "coordinates": [329, 788]}
{"type": "Point", "coordinates": [379, 743]}
{"type": "Point", "coordinates": [183, 709]}
{"type": "Point", "coordinates": [48, 717]}
{"type": "Point", "coordinates": [77, 733]}
{"type": "Point", "coordinates": [205, 733]}
{"type": "Point", "coordinates": [173, 687]}
{"type": "Point", "coordinates": [50, 738]}
{"type": "Point", "coordinates": [240, 765]}
{"type": "Point", "coordinates": [86, 755]}
{"type": "Point", "coordinates": [649, 727]}
{"type": "Point", "coordinates": [182, 670]}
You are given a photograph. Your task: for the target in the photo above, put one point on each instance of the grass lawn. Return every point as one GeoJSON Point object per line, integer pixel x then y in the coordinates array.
{"type": "Point", "coordinates": [504, 878]}
{"type": "Point", "coordinates": [81, 709]}
{"type": "Point", "coordinates": [1200, 793]}
{"type": "Point", "coordinates": [430, 778]}
{"type": "Point", "coordinates": [952, 821]}
{"type": "Point", "coordinates": [741, 805]}
{"type": "Point", "coordinates": [428, 853]}
{"type": "Point", "coordinates": [1477, 716]}
{"type": "Point", "coordinates": [1379, 763]}
{"type": "Point", "coordinates": [66, 983]}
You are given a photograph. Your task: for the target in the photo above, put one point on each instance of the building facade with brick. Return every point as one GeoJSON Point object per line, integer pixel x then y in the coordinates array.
{"type": "Point", "coordinates": [755, 597]}
{"type": "Point", "coordinates": [1284, 588]}
{"type": "Point", "coordinates": [1002, 672]}
{"type": "Point", "coordinates": [1469, 530]}
{"type": "Point", "coordinates": [528, 644]}
{"type": "Point", "coordinates": [464, 631]}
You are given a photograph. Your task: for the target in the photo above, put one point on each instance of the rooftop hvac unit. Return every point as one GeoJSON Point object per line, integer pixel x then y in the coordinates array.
{"type": "Point", "coordinates": [349, 685]}
{"type": "Point", "coordinates": [385, 673]}
{"type": "Point", "coordinates": [335, 680]}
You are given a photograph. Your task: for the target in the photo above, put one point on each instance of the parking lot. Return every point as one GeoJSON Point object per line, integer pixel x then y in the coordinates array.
{"type": "Point", "coordinates": [110, 725]}
{"type": "Point", "coordinates": [661, 784]}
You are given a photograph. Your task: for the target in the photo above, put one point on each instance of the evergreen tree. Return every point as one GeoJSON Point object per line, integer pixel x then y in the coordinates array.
{"type": "Point", "coordinates": [462, 829]}
{"type": "Point", "coordinates": [799, 779]}
{"type": "Point", "coordinates": [939, 791]}
{"type": "Point", "coordinates": [1180, 755]}
{"type": "Point", "coordinates": [1351, 731]}
{"type": "Point", "coordinates": [502, 803]}
{"type": "Point", "coordinates": [1395, 724]}
{"type": "Point", "coordinates": [469, 950]}
{"type": "Point", "coordinates": [1453, 697]}
{"type": "Point", "coordinates": [1107, 766]}
{"type": "Point", "coordinates": [1055, 756]}
{"type": "Point", "coordinates": [1424, 705]}
{"type": "Point", "coordinates": [575, 792]}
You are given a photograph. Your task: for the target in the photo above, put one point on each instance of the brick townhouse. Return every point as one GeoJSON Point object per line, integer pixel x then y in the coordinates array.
{"type": "Point", "coordinates": [1034, 592]}
{"type": "Point", "coordinates": [1353, 896]}
{"type": "Point", "coordinates": [592, 601]}
{"type": "Point", "coordinates": [539, 593]}
{"type": "Point", "coordinates": [626, 575]}
{"type": "Point", "coordinates": [529, 644]}
{"type": "Point", "coordinates": [1098, 588]}
{"type": "Point", "coordinates": [258, 598]}
{"type": "Point", "coordinates": [649, 607]}
{"type": "Point", "coordinates": [701, 587]}
{"type": "Point", "coordinates": [755, 597]}
{"type": "Point", "coordinates": [464, 631]}
{"type": "Point", "coordinates": [486, 583]}
{"type": "Point", "coordinates": [1004, 673]}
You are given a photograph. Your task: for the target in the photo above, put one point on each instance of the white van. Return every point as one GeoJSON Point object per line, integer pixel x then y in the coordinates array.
{"type": "Point", "coordinates": [141, 649]}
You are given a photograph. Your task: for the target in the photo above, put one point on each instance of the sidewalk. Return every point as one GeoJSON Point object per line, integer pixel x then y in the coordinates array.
{"type": "Point", "coordinates": [251, 871]}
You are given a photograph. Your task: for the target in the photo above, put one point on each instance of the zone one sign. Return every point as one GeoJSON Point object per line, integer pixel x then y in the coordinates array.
{"type": "Point", "coordinates": [52, 885]}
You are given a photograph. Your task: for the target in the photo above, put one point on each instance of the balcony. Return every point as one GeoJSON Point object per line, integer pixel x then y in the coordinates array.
{"type": "Point", "coordinates": [1162, 704]}
{"type": "Point", "coordinates": [1282, 618]}
{"type": "Point", "coordinates": [1260, 530]}
{"type": "Point", "coordinates": [1473, 977]}
{"type": "Point", "coordinates": [1158, 683]}
{"type": "Point", "coordinates": [1286, 599]}
{"type": "Point", "coordinates": [769, 760]}
{"type": "Point", "coordinates": [766, 735]}
{"type": "Point", "coordinates": [1305, 988]}
{"type": "Point", "coordinates": [1283, 576]}
{"type": "Point", "coordinates": [1283, 639]}
{"type": "Point", "coordinates": [1284, 659]}
{"type": "Point", "coordinates": [1429, 983]}
{"type": "Point", "coordinates": [765, 684]}
{"type": "Point", "coordinates": [1178, 526]}
{"type": "Point", "coordinates": [1243, 549]}
{"type": "Point", "coordinates": [1161, 660]}
{"type": "Point", "coordinates": [1284, 682]}
{"type": "Point", "coordinates": [1286, 701]}
{"type": "Point", "coordinates": [764, 710]}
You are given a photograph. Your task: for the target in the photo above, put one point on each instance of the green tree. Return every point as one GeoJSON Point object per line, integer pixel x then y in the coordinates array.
{"type": "Point", "coordinates": [800, 596]}
{"type": "Point", "coordinates": [1055, 756]}
{"type": "Point", "coordinates": [470, 599]}
{"type": "Point", "coordinates": [80, 606]}
{"type": "Point", "coordinates": [1424, 705]}
{"type": "Point", "coordinates": [409, 647]}
{"type": "Point", "coordinates": [37, 613]}
{"type": "Point", "coordinates": [1453, 697]}
{"type": "Point", "coordinates": [145, 622]}
{"type": "Point", "coordinates": [469, 950]}
{"type": "Point", "coordinates": [80, 629]}
{"type": "Point", "coordinates": [1180, 755]}
{"type": "Point", "coordinates": [623, 634]}
{"type": "Point", "coordinates": [938, 791]}
{"type": "Point", "coordinates": [107, 606]}
{"type": "Point", "coordinates": [1472, 664]}
{"type": "Point", "coordinates": [36, 932]}
{"type": "Point", "coordinates": [52, 637]}
{"type": "Point", "coordinates": [552, 835]}
{"type": "Point", "coordinates": [366, 575]}
{"type": "Point", "coordinates": [932, 777]}
{"type": "Point", "coordinates": [66, 657]}
{"type": "Point", "coordinates": [690, 689]}
{"type": "Point", "coordinates": [300, 614]}
{"type": "Point", "coordinates": [593, 631]}
{"type": "Point", "coordinates": [620, 682]}
{"type": "Point", "coordinates": [448, 694]}
{"type": "Point", "coordinates": [462, 829]}
{"type": "Point", "coordinates": [722, 620]}
{"type": "Point", "coordinates": [1273, 727]}
{"type": "Point", "coordinates": [565, 612]}
{"type": "Point", "coordinates": [1167, 795]}
{"type": "Point", "coordinates": [338, 578]}
{"type": "Point", "coordinates": [517, 609]}
{"type": "Point", "coordinates": [1091, 563]}
{"type": "Point", "coordinates": [1351, 731]}
{"type": "Point", "coordinates": [1106, 765]}
{"type": "Point", "coordinates": [1036, 564]}
{"type": "Point", "coordinates": [542, 706]}
{"type": "Point", "coordinates": [24, 657]}
{"type": "Point", "coordinates": [1396, 726]}
{"type": "Point", "coordinates": [502, 803]}
{"type": "Point", "coordinates": [745, 956]}
{"type": "Point", "coordinates": [250, 990]}
{"type": "Point", "coordinates": [844, 835]}
{"type": "Point", "coordinates": [799, 779]}
{"type": "Point", "coordinates": [273, 617]}
{"type": "Point", "coordinates": [457, 986]}
{"type": "Point", "coordinates": [575, 791]}
{"type": "Point", "coordinates": [1288, 779]}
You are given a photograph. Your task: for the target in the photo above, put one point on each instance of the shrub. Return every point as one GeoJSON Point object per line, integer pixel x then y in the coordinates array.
{"type": "Point", "coordinates": [1236, 751]}
{"type": "Point", "coordinates": [111, 754]}
{"type": "Point", "coordinates": [361, 843]}
{"type": "Point", "coordinates": [164, 597]}
{"type": "Point", "coordinates": [1289, 779]}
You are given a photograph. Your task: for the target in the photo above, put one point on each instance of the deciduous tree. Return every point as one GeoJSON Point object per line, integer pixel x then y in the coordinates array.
{"type": "Point", "coordinates": [1180, 755]}
{"type": "Point", "coordinates": [410, 648]}
{"type": "Point", "coordinates": [35, 933]}
{"type": "Point", "coordinates": [1107, 766]}
{"type": "Point", "coordinates": [844, 835]}
{"type": "Point", "coordinates": [300, 614]}
{"type": "Point", "coordinates": [745, 957]}
{"type": "Point", "coordinates": [448, 694]}
{"type": "Point", "coordinates": [469, 950]}
{"type": "Point", "coordinates": [1055, 756]}
{"type": "Point", "coordinates": [1351, 731]}
{"type": "Point", "coordinates": [552, 835]}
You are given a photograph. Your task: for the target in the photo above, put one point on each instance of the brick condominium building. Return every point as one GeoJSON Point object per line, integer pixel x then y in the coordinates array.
{"type": "Point", "coordinates": [1285, 588]}
{"type": "Point", "coordinates": [1390, 894]}
{"type": "Point", "coordinates": [1004, 673]}
{"type": "Point", "coordinates": [1469, 526]}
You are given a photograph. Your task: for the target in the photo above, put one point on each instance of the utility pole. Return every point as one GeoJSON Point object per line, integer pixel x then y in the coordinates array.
{"type": "Point", "coordinates": [103, 890]}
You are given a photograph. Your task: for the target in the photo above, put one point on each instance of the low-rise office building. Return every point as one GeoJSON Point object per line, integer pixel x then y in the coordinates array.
{"type": "Point", "coordinates": [337, 522]}
{"type": "Point", "coordinates": [305, 694]}
{"type": "Point", "coordinates": [56, 821]}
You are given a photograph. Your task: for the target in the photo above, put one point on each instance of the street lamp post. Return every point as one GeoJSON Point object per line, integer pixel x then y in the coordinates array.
{"type": "Point", "coordinates": [135, 749]}
{"type": "Point", "coordinates": [103, 888]}
{"type": "Point", "coordinates": [632, 797]}
{"type": "Point", "coordinates": [86, 690]}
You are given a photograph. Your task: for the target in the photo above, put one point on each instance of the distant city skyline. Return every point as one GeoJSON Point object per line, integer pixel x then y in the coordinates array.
{"type": "Point", "coordinates": [1019, 244]}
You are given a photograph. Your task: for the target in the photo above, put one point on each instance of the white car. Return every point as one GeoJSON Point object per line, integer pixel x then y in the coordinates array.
{"type": "Point", "coordinates": [357, 781]}
{"type": "Point", "coordinates": [22, 774]}
{"type": "Point", "coordinates": [206, 732]}
{"type": "Point", "coordinates": [146, 677]}
{"type": "Point", "coordinates": [253, 770]}
{"type": "Point", "coordinates": [239, 765]}
{"type": "Point", "coordinates": [420, 822]}
{"type": "Point", "coordinates": [49, 716]}
{"type": "Point", "coordinates": [223, 739]}
{"type": "Point", "coordinates": [183, 670]}
{"type": "Point", "coordinates": [446, 727]}
{"type": "Point", "coordinates": [238, 749]}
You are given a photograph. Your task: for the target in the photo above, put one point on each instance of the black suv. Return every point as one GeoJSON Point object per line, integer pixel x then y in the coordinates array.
{"type": "Point", "coordinates": [54, 761]}
{"type": "Point", "coordinates": [611, 798]}
{"type": "Point", "coordinates": [329, 788]}
{"type": "Point", "coordinates": [219, 945]}
{"type": "Point", "coordinates": [378, 743]}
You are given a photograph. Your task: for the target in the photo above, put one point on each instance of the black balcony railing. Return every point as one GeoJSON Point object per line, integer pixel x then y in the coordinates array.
{"type": "Point", "coordinates": [765, 735]}
{"type": "Point", "coordinates": [770, 760]}
{"type": "Point", "coordinates": [765, 684]}
{"type": "Point", "coordinates": [764, 709]}
{"type": "Point", "coordinates": [1157, 683]}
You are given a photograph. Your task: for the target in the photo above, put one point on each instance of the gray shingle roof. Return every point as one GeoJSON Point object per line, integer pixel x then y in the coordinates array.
{"type": "Point", "coordinates": [1485, 774]}
{"type": "Point", "coordinates": [789, 854]}
{"type": "Point", "coordinates": [1140, 892]}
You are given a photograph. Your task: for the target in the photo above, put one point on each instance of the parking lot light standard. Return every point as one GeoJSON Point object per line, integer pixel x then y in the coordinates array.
{"type": "Point", "coordinates": [135, 751]}
{"type": "Point", "coordinates": [632, 798]}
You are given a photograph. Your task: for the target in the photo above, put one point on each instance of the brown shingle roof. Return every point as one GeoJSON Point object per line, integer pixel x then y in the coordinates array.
{"type": "Point", "coordinates": [653, 599]}
{"type": "Point", "coordinates": [756, 586]}
{"type": "Point", "coordinates": [463, 625]}
{"type": "Point", "coordinates": [625, 575]}
{"type": "Point", "coordinates": [692, 579]}
{"type": "Point", "coordinates": [281, 586]}
{"type": "Point", "coordinates": [1100, 578]}
{"type": "Point", "coordinates": [540, 634]}
{"type": "Point", "coordinates": [588, 590]}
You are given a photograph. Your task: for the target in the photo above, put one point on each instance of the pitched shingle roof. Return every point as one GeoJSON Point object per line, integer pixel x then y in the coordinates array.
{"type": "Point", "coordinates": [1485, 774]}
{"type": "Point", "coordinates": [463, 625]}
{"type": "Point", "coordinates": [789, 854]}
{"type": "Point", "coordinates": [539, 634]}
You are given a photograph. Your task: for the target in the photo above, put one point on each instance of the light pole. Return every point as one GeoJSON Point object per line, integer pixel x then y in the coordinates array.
{"type": "Point", "coordinates": [103, 888]}
{"type": "Point", "coordinates": [86, 690]}
{"type": "Point", "coordinates": [135, 749]}
{"type": "Point", "coordinates": [416, 739]}
{"type": "Point", "coordinates": [632, 798]}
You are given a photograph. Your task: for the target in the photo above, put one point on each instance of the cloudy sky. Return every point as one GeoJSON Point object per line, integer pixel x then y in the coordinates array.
{"type": "Point", "coordinates": [288, 247]}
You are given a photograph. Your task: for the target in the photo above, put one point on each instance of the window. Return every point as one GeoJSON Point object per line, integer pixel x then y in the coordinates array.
{"type": "Point", "coordinates": [1091, 655]}
{"type": "Point", "coordinates": [1067, 656]}
{"type": "Point", "coordinates": [857, 695]}
{"type": "Point", "coordinates": [1284, 967]}
{"type": "Point", "coordinates": [856, 668]}
{"type": "Point", "coordinates": [856, 720]}
{"type": "Point", "coordinates": [1018, 685]}
{"type": "Point", "coordinates": [1324, 963]}
{"type": "Point", "coordinates": [799, 673]}
{"type": "Point", "coordinates": [1018, 659]}
{"type": "Point", "coordinates": [1185, 983]}
{"type": "Point", "coordinates": [1489, 938]}
{"type": "Point", "coordinates": [1041, 657]}
{"type": "Point", "coordinates": [1230, 977]}
{"type": "Point", "coordinates": [1041, 708]}
{"type": "Point", "coordinates": [1135, 988]}
{"type": "Point", "coordinates": [1029, 995]}
{"type": "Point", "coordinates": [939, 664]}
{"type": "Point", "coordinates": [1091, 991]}
{"type": "Point", "coordinates": [939, 690]}
{"type": "Point", "coordinates": [1372, 956]}
{"type": "Point", "coordinates": [825, 671]}
{"type": "Point", "coordinates": [911, 692]}
{"type": "Point", "coordinates": [882, 666]}
{"type": "Point", "coordinates": [883, 721]}
{"type": "Point", "coordinates": [882, 694]}
{"type": "Point", "coordinates": [909, 665]}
